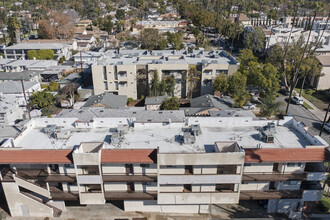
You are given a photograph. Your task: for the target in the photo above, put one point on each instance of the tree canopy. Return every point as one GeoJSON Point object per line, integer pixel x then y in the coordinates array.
{"type": "Point", "coordinates": [41, 99]}
{"type": "Point", "coordinates": [43, 54]}
{"type": "Point", "coordinates": [170, 104]}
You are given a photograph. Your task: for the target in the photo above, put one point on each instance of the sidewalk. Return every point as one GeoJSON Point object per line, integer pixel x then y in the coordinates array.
{"type": "Point", "coordinates": [318, 113]}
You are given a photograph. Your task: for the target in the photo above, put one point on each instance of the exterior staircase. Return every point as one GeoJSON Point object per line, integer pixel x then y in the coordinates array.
{"type": "Point", "coordinates": [56, 211]}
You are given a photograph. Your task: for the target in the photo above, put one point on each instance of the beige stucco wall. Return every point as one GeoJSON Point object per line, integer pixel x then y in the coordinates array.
{"type": "Point", "coordinates": [120, 186]}
{"type": "Point", "coordinates": [255, 186]}
{"type": "Point", "coordinates": [201, 159]}
{"type": "Point", "coordinates": [198, 198]}
{"type": "Point", "coordinates": [258, 168]}
{"type": "Point", "coordinates": [113, 169]}
{"type": "Point", "coordinates": [16, 200]}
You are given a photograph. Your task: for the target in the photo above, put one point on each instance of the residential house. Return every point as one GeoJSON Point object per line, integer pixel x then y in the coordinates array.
{"type": "Point", "coordinates": [15, 89]}
{"type": "Point", "coordinates": [322, 82]}
{"type": "Point", "coordinates": [154, 103]}
{"type": "Point", "coordinates": [10, 110]}
{"type": "Point", "coordinates": [19, 51]}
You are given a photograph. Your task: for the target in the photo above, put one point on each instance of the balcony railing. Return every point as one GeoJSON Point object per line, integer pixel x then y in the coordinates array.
{"type": "Point", "coordinates": [124, 195]}
{"type": "Point", "coordinates": [129, 178]}
{"type": "Point", "coordinates": [272, 176]}
{"type": "Point", "coordinates": [270, 194]}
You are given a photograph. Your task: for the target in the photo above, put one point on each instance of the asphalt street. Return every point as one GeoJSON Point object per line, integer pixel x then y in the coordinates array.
{"type": "Point", "coordinates": [306, 117]}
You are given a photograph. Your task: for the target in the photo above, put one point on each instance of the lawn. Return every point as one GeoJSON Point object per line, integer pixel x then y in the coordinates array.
{"type": "Point", "coordinates": [319, 98]}
{"type": "Point", "coordinates": [307, 106]}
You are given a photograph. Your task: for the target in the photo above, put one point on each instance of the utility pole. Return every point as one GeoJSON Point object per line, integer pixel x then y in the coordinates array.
{"type": "Point", "coordinates": [82, 70]}
{"type": "Point", "coordinates": [325, 119]}
{"type": "Point", "coordinates": [26, 101]}
{"type": "Point", "coordinates": [3, 26]}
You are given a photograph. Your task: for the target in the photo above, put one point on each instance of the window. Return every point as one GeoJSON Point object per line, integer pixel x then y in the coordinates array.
{"type": "Point", "coordinates": [187, 188]}
{"type": "Point", "coordinates": [170, 166]}
{"type": "Point", "coordinates": [293, 182]}
{"type": "Point", "coordinates": [67, 165]}
{"type": "Point", "coordinates": [105, 73]}
{"type": "Point", "coordinates": [247, 164]}
{"type": "Point", "coordinates": [299, 164]}
{"type": "Point", "coordinates": [221, 71]}
{"type": "Point", "coordinates": [144, 165]}
{"type": "Point", "coordinates": [64, 121]}
{"type": "Point", "coordinates": [106, 86]}
{"type": "Point", "coordinates": [291, 164]}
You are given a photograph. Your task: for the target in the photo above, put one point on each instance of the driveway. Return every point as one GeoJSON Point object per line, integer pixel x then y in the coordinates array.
{"type": "Point", "coordinates": [305, 116]}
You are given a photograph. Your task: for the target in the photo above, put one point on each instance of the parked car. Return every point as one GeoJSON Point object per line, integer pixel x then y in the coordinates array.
{"type": "Point", "coordinates": [297, 100]}
{"type": "Point", "coordinates": [327, 127]}
{"type": "Point", "coordinates": [249, 106]}
{"type": "Point", "coordinates": [285, 92]}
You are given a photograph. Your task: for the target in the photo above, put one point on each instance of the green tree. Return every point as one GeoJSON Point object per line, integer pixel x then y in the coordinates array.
{"type": "Point", "coordinates": [41, 99]}
{"type": "Point", "coordinates": [170, 104]}
{"type": "Point", "coordinates": [129, 101]}
{"type": "Point", "coordinates": [245, 57]}
{"type": "Point", "coordinates": [221, 83]}
{"type": "Point", "coordinates": [120, 14]}
{"type": "Point", "coordinates": [154, 85]}
{"type": "Point", "coordinates": [170, 84]}
{"type": "Point", "coordinates": [240, 98]}
{"type": "Point", "coordinates": [270, 106]}
{"type": "Point", "coordinates": [175, 39]}
{"type": "Point", "coordinates": [255, 40]}
{"type": "Point", "coordinates": [275, 57]}
{"type": "Point", "coordinates": [14, 26]}
{"type": "Point", "coordinates": [237, 84]}
{"type": "Point", "coordinates": [310, 67]}
{"type": "Point", "coordinates": [193, 77]}
{"type": "Point", "coordinates": [43, 54]}
{"type": "Point", "coordinates": [108, 25]}
{"type": "Point", "coordinates": [149, 38]}
{"type": "Point", "coordinates": [53, 86]}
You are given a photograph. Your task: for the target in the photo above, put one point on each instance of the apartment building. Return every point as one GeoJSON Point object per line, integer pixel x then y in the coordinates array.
{"type": "Point", "coordinates": [10, 110]}
{"type": "Point", "coordinates": [129, 72]}
{"type": "Point", "coordinates": [19, 51]}
{"type": "Point", "coordinates": [160, 161]}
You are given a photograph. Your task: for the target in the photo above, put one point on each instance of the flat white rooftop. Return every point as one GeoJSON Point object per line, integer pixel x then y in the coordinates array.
{"type": "Point", "coordinates": [168, 139]}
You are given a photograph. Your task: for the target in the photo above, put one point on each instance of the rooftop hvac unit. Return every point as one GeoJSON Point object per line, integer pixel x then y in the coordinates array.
{"type": "Point", "coordinates": [188, 138]}
{"type": "Point", "coordinates": [49, 129]}
{"type": "Point", "coordinates": [267, 136]}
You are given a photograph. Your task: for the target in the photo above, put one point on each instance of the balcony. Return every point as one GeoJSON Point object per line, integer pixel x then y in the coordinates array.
{"type": "Point", "coordinates": [316, 172]}
{"type": "Point", "coordinates": [57, 194]}
{"type": "Point", "coordinates": [199, 179]}
{"type": "Point", "coordinates": [273, 176]}
{"type": "Point", "coordinates": [124, 195]}
{"type": "Point", "coordinates": [216, 197]}
{"type": "Point", "coordinates": [270, 194]}
{"type": "Point", "coordinates": [129, 178]}
{"type": "Point", "coordinates": [45, 176]}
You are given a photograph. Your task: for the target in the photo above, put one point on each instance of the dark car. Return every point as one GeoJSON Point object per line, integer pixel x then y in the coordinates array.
{"type": "Point", "coordinates": [284, 91]}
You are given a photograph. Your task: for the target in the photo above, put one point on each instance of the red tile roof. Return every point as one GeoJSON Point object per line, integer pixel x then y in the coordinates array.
{"type": "Point", "coordinates": [286, 155]}
{"type": "Point", "coordinates": [35, 156]}
{"type": "Point", "coordinates": [144, 156]}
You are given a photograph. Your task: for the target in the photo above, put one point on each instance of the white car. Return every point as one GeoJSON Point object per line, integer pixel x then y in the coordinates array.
{"type": "Point", "coordinates": [327, 127]}
{"type": "Point", "coordinates": [297, 100]}
{"type": "Point", "coordinates": [249, 106]}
